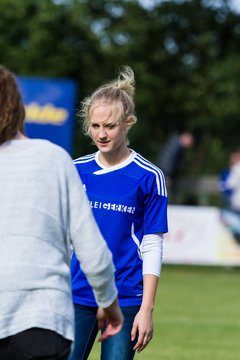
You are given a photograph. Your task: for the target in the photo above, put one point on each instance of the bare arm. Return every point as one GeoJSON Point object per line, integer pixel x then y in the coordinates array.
{"type": "Point", "coordinates": [151, 250]}
{"type": "Point", "coordinates": [143, 322]}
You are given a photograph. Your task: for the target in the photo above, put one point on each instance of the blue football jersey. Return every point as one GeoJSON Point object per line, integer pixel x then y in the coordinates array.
{"type": "Point", "coordinates": [128, 200]}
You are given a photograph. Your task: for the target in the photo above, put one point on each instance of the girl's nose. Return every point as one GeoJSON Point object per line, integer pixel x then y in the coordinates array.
{"type": "Point", "coordinates": [102, 132]}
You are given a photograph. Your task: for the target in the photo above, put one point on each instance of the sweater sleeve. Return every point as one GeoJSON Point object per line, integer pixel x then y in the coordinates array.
{"type": "Point", "coordinates": [88, 243]}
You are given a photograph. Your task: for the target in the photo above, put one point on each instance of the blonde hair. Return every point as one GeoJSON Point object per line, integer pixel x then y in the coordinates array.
{"type": "Point", "coordinates": [12, 112]}
{"type": "Point", "coordinates": [119, 91]}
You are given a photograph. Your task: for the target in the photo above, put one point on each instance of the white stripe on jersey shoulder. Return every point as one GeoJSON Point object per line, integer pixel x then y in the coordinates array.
{"type": "Point", "coordinates": [84, 159]}
{"type": "Point", "coordinates": [160, 179]}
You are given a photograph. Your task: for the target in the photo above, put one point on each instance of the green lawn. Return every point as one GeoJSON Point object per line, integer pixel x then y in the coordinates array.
{"type": "Point", "coordinates": [196, 316]}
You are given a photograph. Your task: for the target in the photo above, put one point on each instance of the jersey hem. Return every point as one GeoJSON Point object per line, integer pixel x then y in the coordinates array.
{"type": "Point", "coordinates": [122, 302]}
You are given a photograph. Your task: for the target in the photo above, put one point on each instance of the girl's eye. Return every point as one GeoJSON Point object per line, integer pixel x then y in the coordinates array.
{"type": "Point", "coordinates": [94, 126]}
{"type": "Point", "coordinates": [110, 126]}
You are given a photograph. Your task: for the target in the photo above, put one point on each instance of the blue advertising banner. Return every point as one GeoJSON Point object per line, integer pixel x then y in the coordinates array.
{"type": "Point", "coordinates": [50, 106]}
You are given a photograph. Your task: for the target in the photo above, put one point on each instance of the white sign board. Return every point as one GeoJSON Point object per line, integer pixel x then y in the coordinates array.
{"type": "Point", "coordinates": [201, 235]}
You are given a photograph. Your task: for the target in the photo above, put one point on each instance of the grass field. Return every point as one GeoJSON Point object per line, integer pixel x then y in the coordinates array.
{"type": "Point", "coordinates": [196, 317]}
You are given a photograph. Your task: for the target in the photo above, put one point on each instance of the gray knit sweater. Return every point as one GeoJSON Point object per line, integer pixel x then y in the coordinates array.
{"type": "Point", "coordinates": [43, 209]}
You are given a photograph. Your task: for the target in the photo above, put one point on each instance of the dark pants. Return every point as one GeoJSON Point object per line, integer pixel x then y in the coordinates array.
{"type": "Point", "coordinates": [118, 347]}
{"type": "Point", "coordinates": [35, 344]}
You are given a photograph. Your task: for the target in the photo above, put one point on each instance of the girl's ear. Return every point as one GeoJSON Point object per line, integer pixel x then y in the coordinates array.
{"type": "Point", "coordinates": [128, 123]}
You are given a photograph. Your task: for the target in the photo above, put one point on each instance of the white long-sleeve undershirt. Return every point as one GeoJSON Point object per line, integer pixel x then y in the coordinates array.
{"type": "Point", "coordinates": [152, 252]}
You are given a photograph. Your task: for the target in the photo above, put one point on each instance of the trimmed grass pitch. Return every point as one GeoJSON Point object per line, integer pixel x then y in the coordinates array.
{"type": "Point", "coordinates": [196, 316]}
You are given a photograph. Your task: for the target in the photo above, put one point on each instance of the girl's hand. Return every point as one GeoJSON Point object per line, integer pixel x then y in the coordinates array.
{"type": "Point", "coordinates": [143, 328]}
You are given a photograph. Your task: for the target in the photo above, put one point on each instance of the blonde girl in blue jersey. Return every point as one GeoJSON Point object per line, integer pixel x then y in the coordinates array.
{"type": "Point", "coordinates": [128, 198]}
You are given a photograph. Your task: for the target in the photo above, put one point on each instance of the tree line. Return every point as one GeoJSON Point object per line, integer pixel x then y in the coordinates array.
{"type": "Point", "coordinates": [185, 56]}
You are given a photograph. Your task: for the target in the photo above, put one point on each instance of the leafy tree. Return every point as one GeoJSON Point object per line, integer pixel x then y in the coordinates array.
{"type": "Point", "coordinates": [184, 54]}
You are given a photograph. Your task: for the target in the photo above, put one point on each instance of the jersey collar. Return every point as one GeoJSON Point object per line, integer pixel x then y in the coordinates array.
{"type": "Point", "coordinates": [105, 169]}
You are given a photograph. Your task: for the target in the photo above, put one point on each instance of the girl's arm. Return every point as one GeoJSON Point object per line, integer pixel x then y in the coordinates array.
{"type": "Point", "coordinates": [151, 251]}
{"type": "Point", "coordinates": [143, 322]}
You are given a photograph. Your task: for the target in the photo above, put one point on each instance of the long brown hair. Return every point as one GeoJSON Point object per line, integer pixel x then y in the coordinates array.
{"type": "Point", "coordinates": [12, 112]}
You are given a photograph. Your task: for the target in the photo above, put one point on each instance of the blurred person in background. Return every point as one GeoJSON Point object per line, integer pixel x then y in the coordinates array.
{"type": "Point", "coordinates": [231, 212]}
{"type": "Point", "coordinates": [233, 181]}
{"type": "Point", "coordinates": [225, 187]}
{"type": "Point", "coordinates": [171, 160]}
{"type": "Point", "coordinates": [128, 197]}
{"type": "Point", "coordinates": [43, 211]}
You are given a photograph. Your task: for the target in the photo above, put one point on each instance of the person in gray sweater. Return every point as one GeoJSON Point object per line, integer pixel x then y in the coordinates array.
{"type": "Point", "coordinates": [44, 213]}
